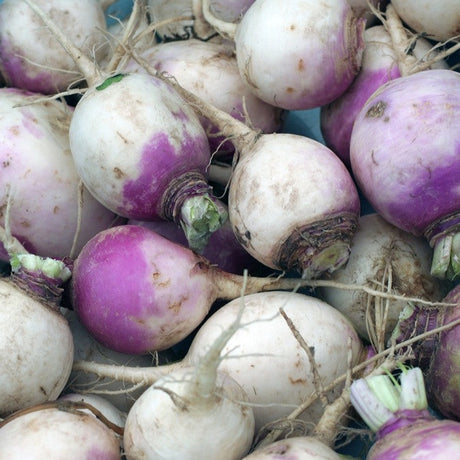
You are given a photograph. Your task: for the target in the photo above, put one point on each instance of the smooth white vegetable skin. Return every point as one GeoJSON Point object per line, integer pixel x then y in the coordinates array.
{"type": "Point", "coordinates": [36, 351]}
{"type": "Point", "coordinates": [280, 187]}
{"type": "Point", "coordinates": [128, 140]}
{"type": "Point", "coordinates": [296, 448]}
{"type": "Point", "coordinates": [315, 51]}
{"type": "Point", "coordinates": [381, 252]}
{"type": "Point", "coordinates": [265, 358]}
{"type": "Point", "coordinates": [31, 58]}
{"type": "Point", "coordinates": [55, 434]}
{"type": "Point", "coordinates": [159, 426]}
{"type": "Point", "coordinates": [439, 19]}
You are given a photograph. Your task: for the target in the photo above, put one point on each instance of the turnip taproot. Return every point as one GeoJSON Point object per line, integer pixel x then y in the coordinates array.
{"type": "Point", "coordinates": [263, 355]}
{"type": "Point", "coordinates": [147, 159]}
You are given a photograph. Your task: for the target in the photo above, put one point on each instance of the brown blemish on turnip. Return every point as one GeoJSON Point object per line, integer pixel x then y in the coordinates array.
{"type": "Point", "coordinates": [377, 110]}
{"type": "Point", "coordinates": [118, 173]}
{"type": "Point", "coordinates": [300, 65]}
{"type": "Point", "coordinates": [297, 381]}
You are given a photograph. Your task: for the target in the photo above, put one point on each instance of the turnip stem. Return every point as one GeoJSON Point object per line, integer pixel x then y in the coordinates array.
{"type": "Point", "coordinates": [87, 67]}
{"type": "Point", "coordinates": [224, 28]}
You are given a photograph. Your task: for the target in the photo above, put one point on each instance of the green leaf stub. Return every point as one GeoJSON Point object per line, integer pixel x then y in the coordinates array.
{"type": "Point", "coordinates": [109, 81]}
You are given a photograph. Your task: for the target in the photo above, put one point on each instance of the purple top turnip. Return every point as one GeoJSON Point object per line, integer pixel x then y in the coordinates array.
{"type": "Point", "coordinates": [409, 168]}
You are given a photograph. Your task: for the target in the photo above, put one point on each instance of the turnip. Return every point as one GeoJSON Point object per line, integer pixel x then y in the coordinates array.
{"type": "Point", "coordinates": [203, 407]}
{"type": "Point", "coordinates": [398, 413]}
{"type": "Point", "coordinates": [409, 169]}
{"type": "Point", "coordinates": [380, 64]}
{"type": "Point", "coordinates": [49, 212]}
{"type": "Point", "coordinates": [438, 20]}
{"type": "Point", "coordinates": [147, 159]}
{"type": "Point", "coordinates": [57, 431]}
{"type": "Point", "coordinates": [136, 291]}
{"type": "Point", "coordinates": [438, 354]}
{"type": "Point", "coordinates": [36, 346]}
{"type": "Point", "coordinates": [263, 355]}
{"type": "Point", "coordinates": [295, 448]}
{"type": "Point", "coordinates": [315, 50]}
{"type": "Point", "coordinates": [31, 59]}
{"type": "Point", "coordinates": [387, 258]}
{"type": "Point", "coordinates": [210, 71]}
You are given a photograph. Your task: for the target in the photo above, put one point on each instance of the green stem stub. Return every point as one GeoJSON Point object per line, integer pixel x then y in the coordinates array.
{"type": "Point", "coordinates": [446, 257]}
{"type": "Point", "coordinates": [52, 268]}
{"type": "Point", "coordinates": [378, 398]}
{"type": "Point", "coordinates": [200, 217]}
{"type": "Point", "coordinates": [107, 82]}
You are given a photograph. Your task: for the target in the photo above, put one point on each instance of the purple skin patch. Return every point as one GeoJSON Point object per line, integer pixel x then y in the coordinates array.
{"type": "Point", "coordinates": [136, 291]}
{"type": "Point", "coordinates": [405, 149]}
{"type": "Point", "coordinates": [160, 163]}
{"type": "Point", "coordinates": [337, 118]}
{"type": "Point", "coordinates": [434, 439]}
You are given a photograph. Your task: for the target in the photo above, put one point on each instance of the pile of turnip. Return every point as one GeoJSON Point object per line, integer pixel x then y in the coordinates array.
{"type": "Point", "coordinates": [186, 275]}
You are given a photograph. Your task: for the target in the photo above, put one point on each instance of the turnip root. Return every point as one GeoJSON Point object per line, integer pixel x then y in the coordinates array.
{"type": "Point", "coordinates": [136, 291]}
{"type": "Point", "coordinates": [54, 433]}
{"type": "Point", "coordinates": [48, 211]}
{"type": "Point", "coordinates": [36, 346]}
{"type": "Point", "coordinates": [210, 71]}
{"type": "Point", "coordinates": [387, 258]}
{"type": "Point", "coordinates": [409, 169]}
{"type": "Point", "coordinates": [315, 50]}
{"type": "Point", "coordinates": [263, 355]}
{"type": "Point", "coordinates": [146, 160]}
{"type": "Point", "coordinates": [29, 56]}
{"type": "Point", "coordinates": [205, 408]}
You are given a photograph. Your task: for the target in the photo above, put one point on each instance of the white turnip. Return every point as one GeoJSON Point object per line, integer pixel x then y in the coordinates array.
{"type": "Point", "coordinates": [147, 159]}
{"type": "Point", "coordinates": [36, 346]}
{"type": "Point", "coordinates": [263, 355]}
{"type": "Point", "coordinates": [387, 258]}
{"type": "Point", "coordinates": [438, 20]}
{"type": "Point", "coordinates": [31, 59]}
{"type": "Point", "coordinates": [315, 50]}
{"type": "Point", "coordinates": [200, 405]}
{"type": "Point", "coordinates": [57, 432]}
{"type": "Point", "coordinates": [48, 211]}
